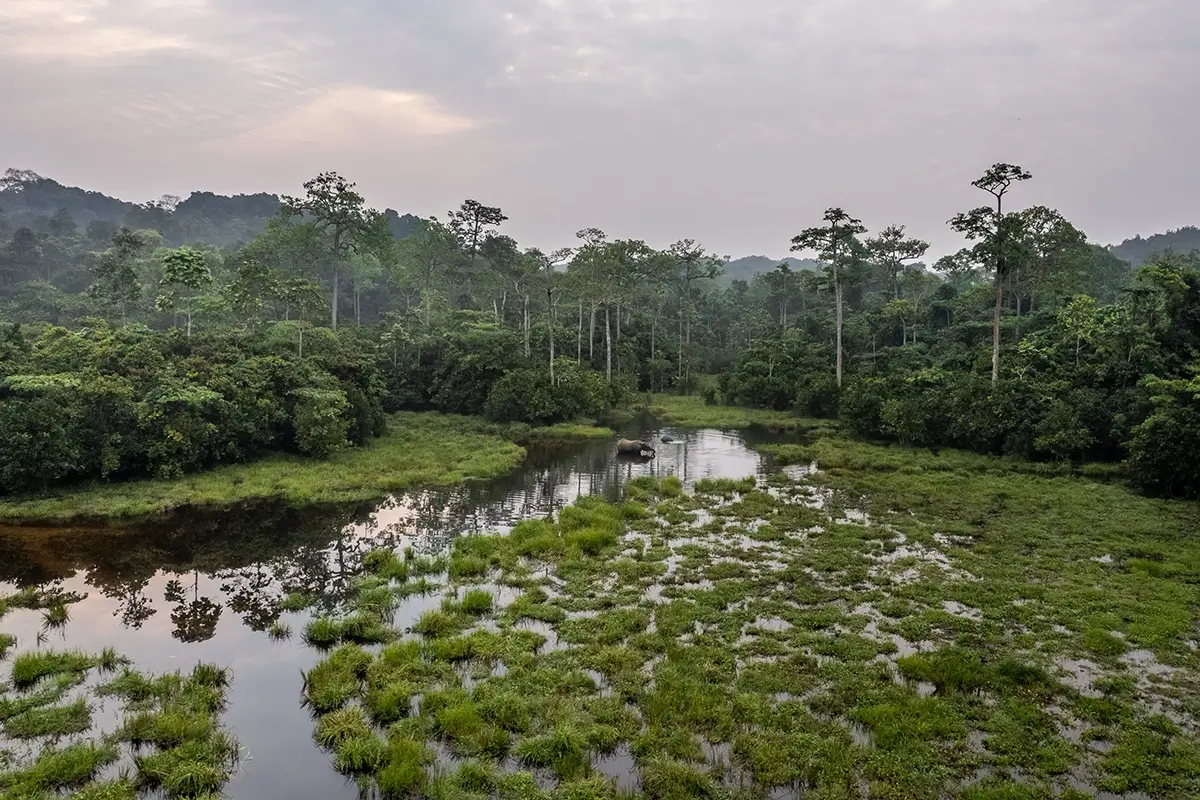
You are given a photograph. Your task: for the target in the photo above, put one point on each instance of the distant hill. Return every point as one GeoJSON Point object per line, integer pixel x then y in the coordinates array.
{"type": "Point", "coordinates": [1137, 250]}
{"type": "Point", "coordinates": [747, 267]}
{"type": "Point", "coordinates": [32, 201]}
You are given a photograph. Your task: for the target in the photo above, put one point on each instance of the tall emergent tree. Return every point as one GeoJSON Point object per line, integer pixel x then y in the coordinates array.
{"type": "Point", "coordinates": [987, 226]}
{"type": "Point", "coordinates": [890, 249]}
{"type": "Point", "coordinates": [835, 243]}
{"type": "Point", "coordinates": [331, 203]}
{"type": "Point", "coordinates": [185, 276]}
{"type": "Point", "coordinates": [471, 225]}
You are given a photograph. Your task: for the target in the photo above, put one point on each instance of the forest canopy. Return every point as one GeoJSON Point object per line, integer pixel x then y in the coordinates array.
{"type": "Point", "coordinates": [170, 336]}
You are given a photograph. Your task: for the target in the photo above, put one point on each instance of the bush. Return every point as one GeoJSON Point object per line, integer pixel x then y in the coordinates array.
{"type": "Point", "coordinates": [320, 421]}
{"type": "Point", "coordinates": [1163, 456]}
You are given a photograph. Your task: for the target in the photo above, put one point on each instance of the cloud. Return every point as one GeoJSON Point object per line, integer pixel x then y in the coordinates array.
{"type": "Point", "coordinates": [343, 117]}
{"type": "Point", "coordinates": [735, 123]}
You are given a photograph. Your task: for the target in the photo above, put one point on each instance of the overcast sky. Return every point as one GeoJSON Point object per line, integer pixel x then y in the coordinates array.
{"type": "Point", "coordinates": [734, 122]}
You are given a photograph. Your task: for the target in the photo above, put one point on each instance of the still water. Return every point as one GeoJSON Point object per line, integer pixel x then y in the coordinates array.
{"type": "Point", "coordinates": [204, 586]}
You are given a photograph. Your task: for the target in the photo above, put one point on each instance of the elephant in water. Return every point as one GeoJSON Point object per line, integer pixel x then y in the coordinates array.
{"type": "Point", "coordinates": [635, 447]}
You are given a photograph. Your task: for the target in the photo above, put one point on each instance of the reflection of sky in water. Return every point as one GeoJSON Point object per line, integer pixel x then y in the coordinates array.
{"type": "Point", "coordinates": [244, 561]}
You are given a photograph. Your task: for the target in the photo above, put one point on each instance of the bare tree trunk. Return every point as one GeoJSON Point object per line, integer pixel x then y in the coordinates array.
{"type": "Point", "coordinates": [357, 303]}
{"type": "Point", "coordinates": [550, 315]}
{"type": "Point", "coordinates": [592, 335]}
{"type": "Point", "coordinates": [579, 335]}
{"type": "Point", "coordinates": [526, 323]}
{"type": "Point", "coordinates": [999, 288]}
{"type": "Point", "coordinates": [996, 328]}
{"type": "Point", "coordinates": [607, 345]}
{"type": "Point", "coordinates": [837, 291]}
{"type": "Point", "coordinates": [333, 302]}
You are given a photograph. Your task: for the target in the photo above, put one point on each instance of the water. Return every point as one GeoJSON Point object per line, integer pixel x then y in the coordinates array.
{"type": "Point", "coordinates": [204, 585]}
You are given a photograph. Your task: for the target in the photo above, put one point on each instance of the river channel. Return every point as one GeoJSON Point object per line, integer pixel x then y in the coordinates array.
{"type": "Point", "coordinates": [206, 585]}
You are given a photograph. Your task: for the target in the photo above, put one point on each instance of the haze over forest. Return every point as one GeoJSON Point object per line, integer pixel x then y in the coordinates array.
{"type": "Point", "coordinates": [30, 200]}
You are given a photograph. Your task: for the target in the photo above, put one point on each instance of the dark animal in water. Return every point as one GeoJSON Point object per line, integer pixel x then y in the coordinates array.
{"type": "Point", "coordinates": [636, 446]}
{"type": "Point", "coordinates": [668, 439]}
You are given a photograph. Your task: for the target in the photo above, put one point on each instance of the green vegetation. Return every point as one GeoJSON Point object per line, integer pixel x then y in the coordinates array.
{"type": "Point", "coordinates": [169, 737]}
{"type": "Point", "coordinates": [134, 350]}
{"type": "Point", "coordinates": [694, 412]}
{"type": "Point", "coordinates": [416, 450]}
{"type": "Point", "coordinates": [788, 643]}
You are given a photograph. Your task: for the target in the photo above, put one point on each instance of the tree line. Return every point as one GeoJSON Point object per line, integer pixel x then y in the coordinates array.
{"type": "Point", "coordinates": [1030, 340]}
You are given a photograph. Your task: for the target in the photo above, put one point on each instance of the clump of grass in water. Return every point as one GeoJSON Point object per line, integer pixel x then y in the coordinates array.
{"type": "Point", "coordinates": [334, 682]}
{"type": "Point", "coordinates": [296, 601]}
{"type": "Point", "coordinates": [118, 789]}
{"type": "Point", "coordinates": [194, 768]}
{"type": "Point", "coordinates": [404, 770]}
{"type": "Point", "coordinates": [29, 668]}
{"type": "Point", "coordinates": [56, 616]}
{"type": "Point", "coordinates": [7, 642]}
{"type": "Point", "coordinates": [54, 721]}
{"type": "Point", "coordinates": [68, 767]}
{"type": "Point", "coordinates": [477, 602]}
{"type": "Point", "coordinates": [436, 624]}
{"type": "Point", "coordinates": [279, 631]}
{"type": "Point", "coordinates": [322, 633]}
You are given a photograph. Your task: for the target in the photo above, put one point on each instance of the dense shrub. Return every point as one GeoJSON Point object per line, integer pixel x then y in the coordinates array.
{"type": "Point", "coordinates": [526, 395]}
{"type": "Point", "coordinates": [1164, 453]}
{"type": "Point", "coordinates": [320, 421]}
{"type": "Point", "coordinates": [103, 403]}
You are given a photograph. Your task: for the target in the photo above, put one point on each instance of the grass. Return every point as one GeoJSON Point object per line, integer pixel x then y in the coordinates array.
{"type": "Point", "coordinates": [169, 735]}
{"type": "Point", "coordinates": [564, 432]}
{"type": "Point", "coordinates": [53, 721]}
{"type": "Point", "coordinates": [692, 412]}
{"type": "Point", "coordinates": [898, 623]}
{"type": "Point", "coordinates": [279, 631]}
{"type": "Point", "coordinates": [417, 450]}
{"type": "Point", "coordinates": [30, 667]}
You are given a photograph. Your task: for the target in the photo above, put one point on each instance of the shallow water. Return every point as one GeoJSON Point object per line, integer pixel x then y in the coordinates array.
{"type": "Point", "coordinates": [204, 585]}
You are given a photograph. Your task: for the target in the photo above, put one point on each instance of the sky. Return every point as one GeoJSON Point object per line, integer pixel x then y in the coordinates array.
{"type": "Point", "coordinates": [731, 122]}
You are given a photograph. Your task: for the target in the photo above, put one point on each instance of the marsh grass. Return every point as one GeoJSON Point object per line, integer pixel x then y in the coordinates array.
{"type": "Point", "coordinates": [691, 411]}
{"type": "Point", "coordinates": [54, 722]}
{"type": "Point", "coordinates": [897, 628]}
{"type": "Point", "coordinates": [169, 724]}
{"type": "Point", "coordinates": [31, 667]}
{"type": "Point", "coordinates": [279, 631]}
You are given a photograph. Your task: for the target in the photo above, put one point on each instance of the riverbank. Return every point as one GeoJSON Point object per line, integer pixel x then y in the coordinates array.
{"type": "Point", "coordinates": [691, 411]}
{"type": "Point", "coordinates": [425, 449]}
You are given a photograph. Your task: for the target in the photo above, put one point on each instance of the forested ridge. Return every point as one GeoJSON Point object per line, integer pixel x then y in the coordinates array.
{"type": "Point", "coordinates": [168, 337]}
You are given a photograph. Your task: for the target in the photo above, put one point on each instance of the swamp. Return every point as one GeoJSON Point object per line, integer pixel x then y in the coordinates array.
{"type": "Point", "coordinates": [754, 613]}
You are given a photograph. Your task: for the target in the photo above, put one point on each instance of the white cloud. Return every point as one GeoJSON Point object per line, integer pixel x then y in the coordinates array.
{"type": "Point", "coordinates": [349, 116]}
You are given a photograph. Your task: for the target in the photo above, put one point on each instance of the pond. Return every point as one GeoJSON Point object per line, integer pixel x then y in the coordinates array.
{"type": "Point", "coordinates": [204, 586]}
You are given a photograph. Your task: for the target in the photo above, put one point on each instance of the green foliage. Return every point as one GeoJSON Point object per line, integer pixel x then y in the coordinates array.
{"type": "Point", "coordinates": [319, 421]}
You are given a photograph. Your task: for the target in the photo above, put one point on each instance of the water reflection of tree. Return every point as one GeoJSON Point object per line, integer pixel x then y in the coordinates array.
{"type": "Point", "coordinates": [134, 606]}
{"type": "Point", "coordinates": [195, 621]}
{"type": "Point", "coordinates": [259, 554]}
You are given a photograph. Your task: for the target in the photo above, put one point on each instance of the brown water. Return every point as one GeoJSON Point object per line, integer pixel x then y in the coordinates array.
{"type": "Point", "coordinates": [205, 585]}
